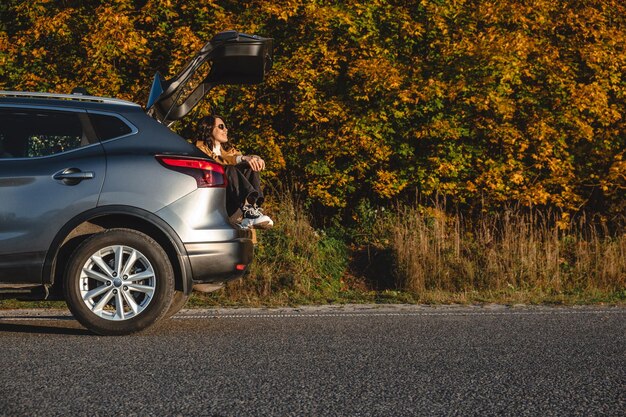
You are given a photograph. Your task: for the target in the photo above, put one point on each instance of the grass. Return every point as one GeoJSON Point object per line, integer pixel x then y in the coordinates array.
{"type": "Point", "coordinates": [426, 255]}
{"type": "Point", "coordinates": [294, 264]}
{"type": "Point", "coordinates": [514, 250]}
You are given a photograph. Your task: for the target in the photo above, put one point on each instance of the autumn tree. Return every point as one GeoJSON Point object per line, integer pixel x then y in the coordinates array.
{"type": "Point", "coordinates": [486, 102]}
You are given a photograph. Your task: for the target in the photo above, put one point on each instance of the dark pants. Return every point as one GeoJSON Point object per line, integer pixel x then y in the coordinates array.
{"type": "Point", "coordinates": [244, 187]}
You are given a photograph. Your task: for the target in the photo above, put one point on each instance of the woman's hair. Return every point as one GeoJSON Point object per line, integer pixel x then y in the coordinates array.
{"type": "Point", "coordinates": [206, 127]}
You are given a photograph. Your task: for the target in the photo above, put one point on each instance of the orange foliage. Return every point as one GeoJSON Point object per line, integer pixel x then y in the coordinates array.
{"type": "Point", "coordinates": [488, 102]}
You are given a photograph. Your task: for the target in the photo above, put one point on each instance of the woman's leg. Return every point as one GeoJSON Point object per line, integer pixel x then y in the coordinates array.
{"type": "Point", "coordinates": [243, 195]}
{"type": "Point", "coordinates": [239, 191]}
{"type": "Point", "coordinates": [254, 179]}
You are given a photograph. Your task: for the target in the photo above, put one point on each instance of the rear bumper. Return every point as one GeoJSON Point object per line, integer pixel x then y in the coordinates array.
{"type": "Point", "coordinates": [214, 247]}
{"type": "Point", "coordinates": [219, 261]}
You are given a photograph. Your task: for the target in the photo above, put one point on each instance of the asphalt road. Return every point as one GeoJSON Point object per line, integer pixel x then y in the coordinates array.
{"type": "Point", "coordinates": [349, 361]}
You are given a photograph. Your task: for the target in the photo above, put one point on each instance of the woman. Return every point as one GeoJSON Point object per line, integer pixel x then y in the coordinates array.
{"type": "Point", "coordinates": [243, 193]}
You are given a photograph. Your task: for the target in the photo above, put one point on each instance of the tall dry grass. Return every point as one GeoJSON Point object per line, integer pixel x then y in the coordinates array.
{"type": "Point", "coordinates": [514, 249]}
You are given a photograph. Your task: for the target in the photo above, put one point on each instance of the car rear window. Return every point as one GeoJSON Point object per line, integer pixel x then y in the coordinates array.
{"type": "Point", "coordinates": [108, 127]}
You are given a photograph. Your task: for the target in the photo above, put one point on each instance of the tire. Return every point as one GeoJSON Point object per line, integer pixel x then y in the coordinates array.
{"type": "Point", "coordinates": [178, 302]}
{"type": "Point", "coordinates": [118, 282]}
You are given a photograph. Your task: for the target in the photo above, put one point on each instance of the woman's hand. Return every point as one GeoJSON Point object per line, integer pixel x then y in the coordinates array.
{"type": "Point", "coordinates": [255, 162]}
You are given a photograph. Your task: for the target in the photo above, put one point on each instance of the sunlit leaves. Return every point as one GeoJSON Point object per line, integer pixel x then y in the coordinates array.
{"type": "Point", "coordinates": [485, 101]}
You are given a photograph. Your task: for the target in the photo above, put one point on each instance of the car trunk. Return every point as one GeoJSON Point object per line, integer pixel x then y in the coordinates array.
{"type": "Point", "coordinates": [229, 58]}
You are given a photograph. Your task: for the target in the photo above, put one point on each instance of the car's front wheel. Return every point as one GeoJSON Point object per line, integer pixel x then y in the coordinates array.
{"type": "Point", "coordinates": [119, 281]}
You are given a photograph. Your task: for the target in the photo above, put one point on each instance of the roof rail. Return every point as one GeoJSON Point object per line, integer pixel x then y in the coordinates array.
{"type": "Point", "coordinates": [70, 97]}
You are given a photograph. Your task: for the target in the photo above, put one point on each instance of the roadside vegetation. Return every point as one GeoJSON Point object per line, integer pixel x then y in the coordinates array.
{"type": "Point", "coordinates": [294, 263]}
{"type": "Point", "coordinates": [425, 254]}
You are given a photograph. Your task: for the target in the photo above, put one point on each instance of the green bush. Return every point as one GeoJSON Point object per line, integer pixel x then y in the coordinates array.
{"type": "Point", "coordinates": [293, 262]}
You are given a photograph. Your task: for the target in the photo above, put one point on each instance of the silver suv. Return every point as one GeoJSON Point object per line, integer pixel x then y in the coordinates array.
{"type": "Point", "coordinates": [102, 205]}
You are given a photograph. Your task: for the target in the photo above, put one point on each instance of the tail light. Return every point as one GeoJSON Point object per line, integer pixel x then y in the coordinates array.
{"type": "Point", "coordinates": [207, 174]}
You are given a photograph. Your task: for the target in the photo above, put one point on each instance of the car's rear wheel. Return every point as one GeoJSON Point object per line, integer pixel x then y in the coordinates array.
{"type": "Point", "coordinates": [119, 281]}
{"type": "Point", "coordinates": [180, 298]}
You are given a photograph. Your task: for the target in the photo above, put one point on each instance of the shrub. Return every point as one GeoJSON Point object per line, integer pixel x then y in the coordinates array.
{"type": "Point", "coordinates": [293, 262]}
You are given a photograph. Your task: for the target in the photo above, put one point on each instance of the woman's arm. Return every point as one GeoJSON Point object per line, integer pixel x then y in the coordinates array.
{"type": "Point", "coordinates": [255, 162]}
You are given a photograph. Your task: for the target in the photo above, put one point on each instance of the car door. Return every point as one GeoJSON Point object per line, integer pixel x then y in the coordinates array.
{"type": "Point", "coordinates": [51, 169]}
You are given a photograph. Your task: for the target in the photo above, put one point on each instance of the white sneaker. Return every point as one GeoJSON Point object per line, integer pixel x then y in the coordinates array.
{"type": "Point", "coordinates": [253, 217]}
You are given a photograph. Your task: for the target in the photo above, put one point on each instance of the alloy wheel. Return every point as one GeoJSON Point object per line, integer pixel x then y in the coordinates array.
{"type": "Point", "coordinates": [117, 282]}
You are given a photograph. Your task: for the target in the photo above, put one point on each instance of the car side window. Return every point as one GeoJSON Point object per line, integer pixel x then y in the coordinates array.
{"type": "Point", "coordinates": [3, 151]}
{"type": "Point", "coordinates": [108, 127]}
{"type": "Point", "coordinates": [31, 133]}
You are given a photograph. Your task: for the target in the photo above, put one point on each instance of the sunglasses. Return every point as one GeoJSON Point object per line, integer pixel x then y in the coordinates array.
{"type": "Point", "coordinates": [221, 126]}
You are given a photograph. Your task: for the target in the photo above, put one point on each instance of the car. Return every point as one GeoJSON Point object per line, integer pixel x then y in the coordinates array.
{"type": "Point", "coordinates": [104, 206]}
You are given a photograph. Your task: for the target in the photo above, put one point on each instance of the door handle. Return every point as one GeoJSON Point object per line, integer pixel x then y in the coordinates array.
{"type": "Point", "coordinates": [72, 176]}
